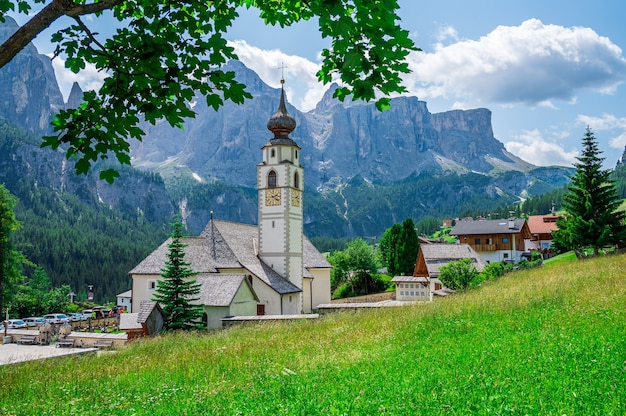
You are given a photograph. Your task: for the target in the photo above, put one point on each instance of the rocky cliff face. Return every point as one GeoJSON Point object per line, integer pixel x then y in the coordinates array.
{"type": "Point", "coordinates": [339, 140]}
{"type": "Point", "coordinates": [29, 93]}
{"type": "Point", "coordinates": [370, 169]}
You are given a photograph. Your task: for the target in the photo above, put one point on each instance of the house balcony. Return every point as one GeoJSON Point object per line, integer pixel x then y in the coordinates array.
{"type": "Point", "coordinates": [484, 247]}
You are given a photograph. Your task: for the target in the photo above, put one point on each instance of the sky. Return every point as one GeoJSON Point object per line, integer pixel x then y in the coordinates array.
{"type": "Point", "coordinates": [545, 69]}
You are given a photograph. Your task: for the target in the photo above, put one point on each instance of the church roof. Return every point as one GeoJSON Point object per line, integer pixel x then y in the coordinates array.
{"type": "Point", "coordinates": [196, 250]}
{"type": "Point", "coordinates": [242, 241]}
{"type": "Point", "coordinates": [224, 245]}
{"type": "Point", "coordinates": [218, 289]}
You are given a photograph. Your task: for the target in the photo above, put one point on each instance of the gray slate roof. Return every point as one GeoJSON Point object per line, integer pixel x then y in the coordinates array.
{"type": "Point", "coordinates": [127, 294]}
{"type": "Point", "coordinates": [196, 252]}
{"type": "Point", "coordinates": [418, 279]}
{"type": "Point", "coordinates": [219, 289]}
{"type": "Point", "coordinates": [223, 245]}
{"type": "Point", "coordinates": [129, 321]}
{"type": "Point", "coordinates": [488, 227]}
{"type": "Point", "coordinates": [438, 255]}
{"type": "Point", "coordinates": [145, 309]}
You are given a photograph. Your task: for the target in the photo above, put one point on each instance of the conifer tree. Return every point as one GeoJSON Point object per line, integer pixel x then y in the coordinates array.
{"type": "Point", "coordinates": [175, 292]}
{"type": "Point", "coordinates": [591, 204]}
{"type": "Point", "coordinates": [398, 248]}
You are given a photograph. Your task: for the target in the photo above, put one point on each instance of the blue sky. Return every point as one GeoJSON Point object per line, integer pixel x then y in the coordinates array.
{"type": "Point", "coordinates": [545, 69]}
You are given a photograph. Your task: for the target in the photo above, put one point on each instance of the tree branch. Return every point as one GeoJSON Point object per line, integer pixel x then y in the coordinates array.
{"type": "Point", "coordinates": [43, 20]}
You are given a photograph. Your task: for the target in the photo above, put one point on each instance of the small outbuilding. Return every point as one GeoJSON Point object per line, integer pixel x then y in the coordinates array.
{"type": "Point", "coordinates": [412, 288]}
{"type": "Point", "coordinates": [432, 257]}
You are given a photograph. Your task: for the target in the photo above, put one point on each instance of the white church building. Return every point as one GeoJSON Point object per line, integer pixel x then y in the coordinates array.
{"type": "Point", "coordinates": [247, 270]}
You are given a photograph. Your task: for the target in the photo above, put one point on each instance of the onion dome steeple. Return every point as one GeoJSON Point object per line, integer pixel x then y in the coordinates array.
{"type": "Point", "coordinates": [281, 123]}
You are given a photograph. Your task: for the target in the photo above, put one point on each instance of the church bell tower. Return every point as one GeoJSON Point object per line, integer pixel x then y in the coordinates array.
{"type": "Point", "coordinates": [280, 182]}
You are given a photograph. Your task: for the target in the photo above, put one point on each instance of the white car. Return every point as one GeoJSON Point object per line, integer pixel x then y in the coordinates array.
{"type": "Point", "coordinates": [16, 324]}
{"type": "Point", "coordinates": [56, 318]}
{"type": "Point", "coordinates": [75, 317]}
{"type": "Point", "coordinates": [35, 321]}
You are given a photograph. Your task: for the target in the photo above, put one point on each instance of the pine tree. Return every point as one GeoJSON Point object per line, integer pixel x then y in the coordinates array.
{"type": "Point", "coordinates": [175, 292]}
{"type": "Point", "coordinates": [591, 205]}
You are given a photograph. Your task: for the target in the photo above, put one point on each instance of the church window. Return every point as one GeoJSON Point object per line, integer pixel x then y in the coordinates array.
{"type": "Point", "coordinates": [271, 179]}
{"type": "Point", "coordinates": [296, 154]}
{"type": "Point", "coordinates": [296, 180]}
{"type": "Point", "coordinates": [151, 284]}
{"type": "Point", "coordinates": [273, 224]}
{"type": "Point", "coordinates": [272, 153]}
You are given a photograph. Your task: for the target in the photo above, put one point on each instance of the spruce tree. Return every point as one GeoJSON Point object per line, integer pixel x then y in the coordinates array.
{"type": "Point", "coordinates": [591, 205]}
{"type": "Point", "coordinates": [175, 292]}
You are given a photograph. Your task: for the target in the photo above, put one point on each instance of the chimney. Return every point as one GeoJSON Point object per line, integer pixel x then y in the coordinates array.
{"type": "Point", "coordinates": [511, 224]}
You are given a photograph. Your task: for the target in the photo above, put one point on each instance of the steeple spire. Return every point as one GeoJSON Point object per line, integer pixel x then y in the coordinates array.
{"type": "Point", "coordinates": [281, 123]}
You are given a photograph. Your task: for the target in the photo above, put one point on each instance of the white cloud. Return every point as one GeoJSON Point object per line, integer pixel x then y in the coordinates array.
{"type": "Point", "coordinates": [303, 89]}
{"type": "Point", "coordinates": [532, 147]}
{"type": "Point", "coordinates": [533, 63]}
{"type": "Point", "coordinates": [88, 79]}
{"type": "Point", "coordinates": [608, 122]}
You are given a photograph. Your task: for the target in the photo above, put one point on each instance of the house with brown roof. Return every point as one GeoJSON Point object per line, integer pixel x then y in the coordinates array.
{"type": "Point", "coordinates": [245, 269]}
{"type": "Point", "coordinates": [494, 240]}
{"type": "Point", "coordinates": [541, 228]}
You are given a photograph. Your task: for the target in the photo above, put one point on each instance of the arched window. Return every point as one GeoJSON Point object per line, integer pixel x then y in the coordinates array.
{"type": "Point", "coordinates": [296, 180]}
{"type": "Point", "coordinates": [296, 154]}
{"type": "Point", "coordinates": [272, 153]}
{"type": "Point", "coordinates": [271, 179]}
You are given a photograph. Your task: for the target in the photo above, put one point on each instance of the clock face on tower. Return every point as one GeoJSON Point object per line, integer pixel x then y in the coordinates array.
{"type": "Point", "coordinates": [296, 198]}
{"type": "Point", "coordinates": [273, 197]}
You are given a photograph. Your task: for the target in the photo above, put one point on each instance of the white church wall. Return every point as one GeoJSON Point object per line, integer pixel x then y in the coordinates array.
{"type": "Point", "coordinates": [321, 287]}
{"type": "Point", "coordinates": [267, 296]}
{"type": "Point", "coordinates": [215, 315]}
{"type": "Point", "coordinates": [143, 289]}
{"type": "Point", "coordinates": [292, 304]}
{"type": "Point", "coordinates": [306, 294]}
{"type": "Point", "coordinates": [244, 303]}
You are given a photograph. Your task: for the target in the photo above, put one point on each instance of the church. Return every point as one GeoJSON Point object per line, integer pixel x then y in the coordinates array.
{"type": "Point", "coordinates": [248, 270]}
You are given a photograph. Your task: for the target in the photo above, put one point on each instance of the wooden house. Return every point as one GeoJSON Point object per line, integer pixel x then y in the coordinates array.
{"type": "Point", "coordinates": [495, 240]}
{"type": "Point", "coordinates": [432, 257]}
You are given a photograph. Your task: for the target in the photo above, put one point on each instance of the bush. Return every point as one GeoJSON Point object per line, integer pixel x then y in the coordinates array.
{"type": "Point", "coordinates": [492, 271]}
{"type": "Point", "coordinates": [458, 275]}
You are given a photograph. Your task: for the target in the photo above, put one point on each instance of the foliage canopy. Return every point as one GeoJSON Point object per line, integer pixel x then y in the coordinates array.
{"type": "Point", "coordinates": [11, 260]}
{"type": "Point", "coordinates": [398, 248]}
{"type": "Point", "coordinates": [164, 52]}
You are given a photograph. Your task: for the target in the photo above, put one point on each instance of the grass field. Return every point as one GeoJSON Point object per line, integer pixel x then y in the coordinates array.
{"type": "Point", "coordinates": [547, 341]}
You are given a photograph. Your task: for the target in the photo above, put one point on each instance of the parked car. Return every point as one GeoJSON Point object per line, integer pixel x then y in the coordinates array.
{"type": "Point", "coordinates": [35, 321]}
{"type": "Point", "coordinates": [16, 324]}
{"type": "Point", "coordinates": [87, 313]}
{"type": "Point", "coordinates": [56, 318]}
{"type": "Point", "coordinates": [75, 317]}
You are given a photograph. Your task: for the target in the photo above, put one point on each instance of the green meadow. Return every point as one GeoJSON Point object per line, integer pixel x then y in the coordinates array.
{"type": "Point", "coordinates": [547, 341]}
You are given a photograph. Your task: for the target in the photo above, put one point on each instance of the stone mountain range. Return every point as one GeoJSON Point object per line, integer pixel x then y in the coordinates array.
{"type": "Point", "coordinates": [364, 170]}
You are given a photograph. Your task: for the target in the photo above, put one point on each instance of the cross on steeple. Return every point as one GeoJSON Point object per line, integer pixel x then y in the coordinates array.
{"type": "Point", "coordinates": [282, 72]}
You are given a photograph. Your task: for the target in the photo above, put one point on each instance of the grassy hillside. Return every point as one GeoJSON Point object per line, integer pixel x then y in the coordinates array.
{"type": "Point", "coordinates": [545, 341]}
